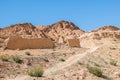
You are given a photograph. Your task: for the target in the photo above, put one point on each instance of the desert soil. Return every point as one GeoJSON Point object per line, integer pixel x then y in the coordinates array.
{"type": "Point", "coordinates": [73, 68]}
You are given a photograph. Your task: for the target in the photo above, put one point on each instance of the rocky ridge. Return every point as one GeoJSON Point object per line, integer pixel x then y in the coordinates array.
{"type": "Point", "coordinates": [58, 32]}
{"type": "Point", "coordinates": [61, 31]}
{"type": "Point", "coordinates": [106, 28]}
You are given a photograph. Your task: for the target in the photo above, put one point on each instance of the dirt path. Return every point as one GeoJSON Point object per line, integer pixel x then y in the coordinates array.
{"type": "Point", "coordinates": [61, 65]}
{"type": "Point", "coordinates": [68, 62]}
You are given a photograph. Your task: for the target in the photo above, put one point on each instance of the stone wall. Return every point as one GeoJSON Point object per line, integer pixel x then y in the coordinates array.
{"type": "Point", "coordinates": [20, 43]}
{"type": "Point", "coordinates": [74, 42]}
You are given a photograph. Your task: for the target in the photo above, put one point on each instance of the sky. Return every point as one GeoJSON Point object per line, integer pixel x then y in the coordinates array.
{"type": "Point", "coordinates": [86, 14]}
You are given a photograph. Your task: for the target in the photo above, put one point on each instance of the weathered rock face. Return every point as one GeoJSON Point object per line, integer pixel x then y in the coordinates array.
{"type": "Point", "coordinates": [74, 42]}
{"type": "Point", "coordinates": [112, 34]}
{"type": "Point", "coordinates": [58, 32]}
{"type": "Point", "coordinates": [25, 30]}
{"type": "Point", "coordinates": [20, 43]}
{"type": "Point", "coordinates": [59, 26]}
{"type": "Point", "coordinates": [61, 31]}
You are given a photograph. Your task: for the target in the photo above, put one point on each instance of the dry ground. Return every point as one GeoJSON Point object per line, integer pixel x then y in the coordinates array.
{"type": "Point", "coordinates": [73, 68]}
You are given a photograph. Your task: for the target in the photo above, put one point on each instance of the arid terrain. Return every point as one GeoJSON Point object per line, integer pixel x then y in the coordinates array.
{"type": "Point", "coordinates": [60, 59]}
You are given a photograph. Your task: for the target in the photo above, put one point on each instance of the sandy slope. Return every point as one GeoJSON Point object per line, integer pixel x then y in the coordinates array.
{"type": "Point", "coordinates": [68, 62]}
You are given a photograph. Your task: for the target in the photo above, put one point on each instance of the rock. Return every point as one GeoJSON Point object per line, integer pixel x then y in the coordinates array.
{"type": "Point", "coordinates": [83, 74]}
{"type": "Point", "coordinates": [117, 74]}
{"type": "Point", "coordinates": [61, 31]}
{"type": "Point", "coordinates": [61, 40]}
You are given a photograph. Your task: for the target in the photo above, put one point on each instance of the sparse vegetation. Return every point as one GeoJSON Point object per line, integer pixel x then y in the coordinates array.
{"type": "Point", "coordinates": [62, 59]}
{"type": "Point", "coordinates": [55, 73]}
{"type": "Point", "coordinates": [80, 63]}
{"type": "Point", "coordinates": [95, 71]}
{"type": "Point", "coordinates": [54, 49]}
{"type": "Point", "coordinates": [108, 79]}
{"type": "Point", "coordinates": [96, 64]}
{"type": "Point", "coordinates": [38, 72]}
{"type": "Point", "coordinates": [17, 59]}
{"type": "Point", "coordinates": [113, 62]}
{"type": "Point", "coordinates": [27, 53]}
{"type": "Point", "coordinates": [4, 58]}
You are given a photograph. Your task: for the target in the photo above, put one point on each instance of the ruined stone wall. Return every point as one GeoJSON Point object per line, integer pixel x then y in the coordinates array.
{"type": "Point", "coordinates": [20, 43]}
{"type": "Point", "coordinates": [74, 42]}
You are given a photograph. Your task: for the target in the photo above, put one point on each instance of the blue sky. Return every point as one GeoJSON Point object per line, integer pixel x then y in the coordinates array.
{"type": "Point", "coordinates": [86, 14]}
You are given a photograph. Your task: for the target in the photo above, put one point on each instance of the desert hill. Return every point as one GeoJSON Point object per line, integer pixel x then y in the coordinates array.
{"type": "Point", "coordinates": [58, 32]}
{"type": "Point", "coordinates": [97, 58]}
{"type": "Point", "coordinates": [106, 28]}
{"type": "Point", "coordinates": [59, 25]}
{"type": "Point", "coordinates": [25, 29]}
{"type": "Point", "coordinates": [61, 31]}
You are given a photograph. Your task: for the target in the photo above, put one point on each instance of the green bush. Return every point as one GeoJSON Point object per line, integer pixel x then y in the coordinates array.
{"type": "Point", "coordinates": [17, 59]}
{"type": "Point", "coordinates": [4, 58]}
{"type": "Point", "coordinates": [95, 71]}
{"type": "Point", "coordinates": [54, 49]}
{"type": "Point", "coordinates": [80, 63]}
{"type": "Point", "coordinates": [108, 79]}
{"type": "Point", "coordinates": [113, 62]}
{"type": "Point", "coordinates": [62, 59]}
{"type": "Point", "coordinates": [38, 72]}
{"type": "Point", "coordinates": [27, 53]}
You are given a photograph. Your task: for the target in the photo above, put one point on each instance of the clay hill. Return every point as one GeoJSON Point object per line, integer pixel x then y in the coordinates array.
{"type": "Point", "coordinates": [47, 53]}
